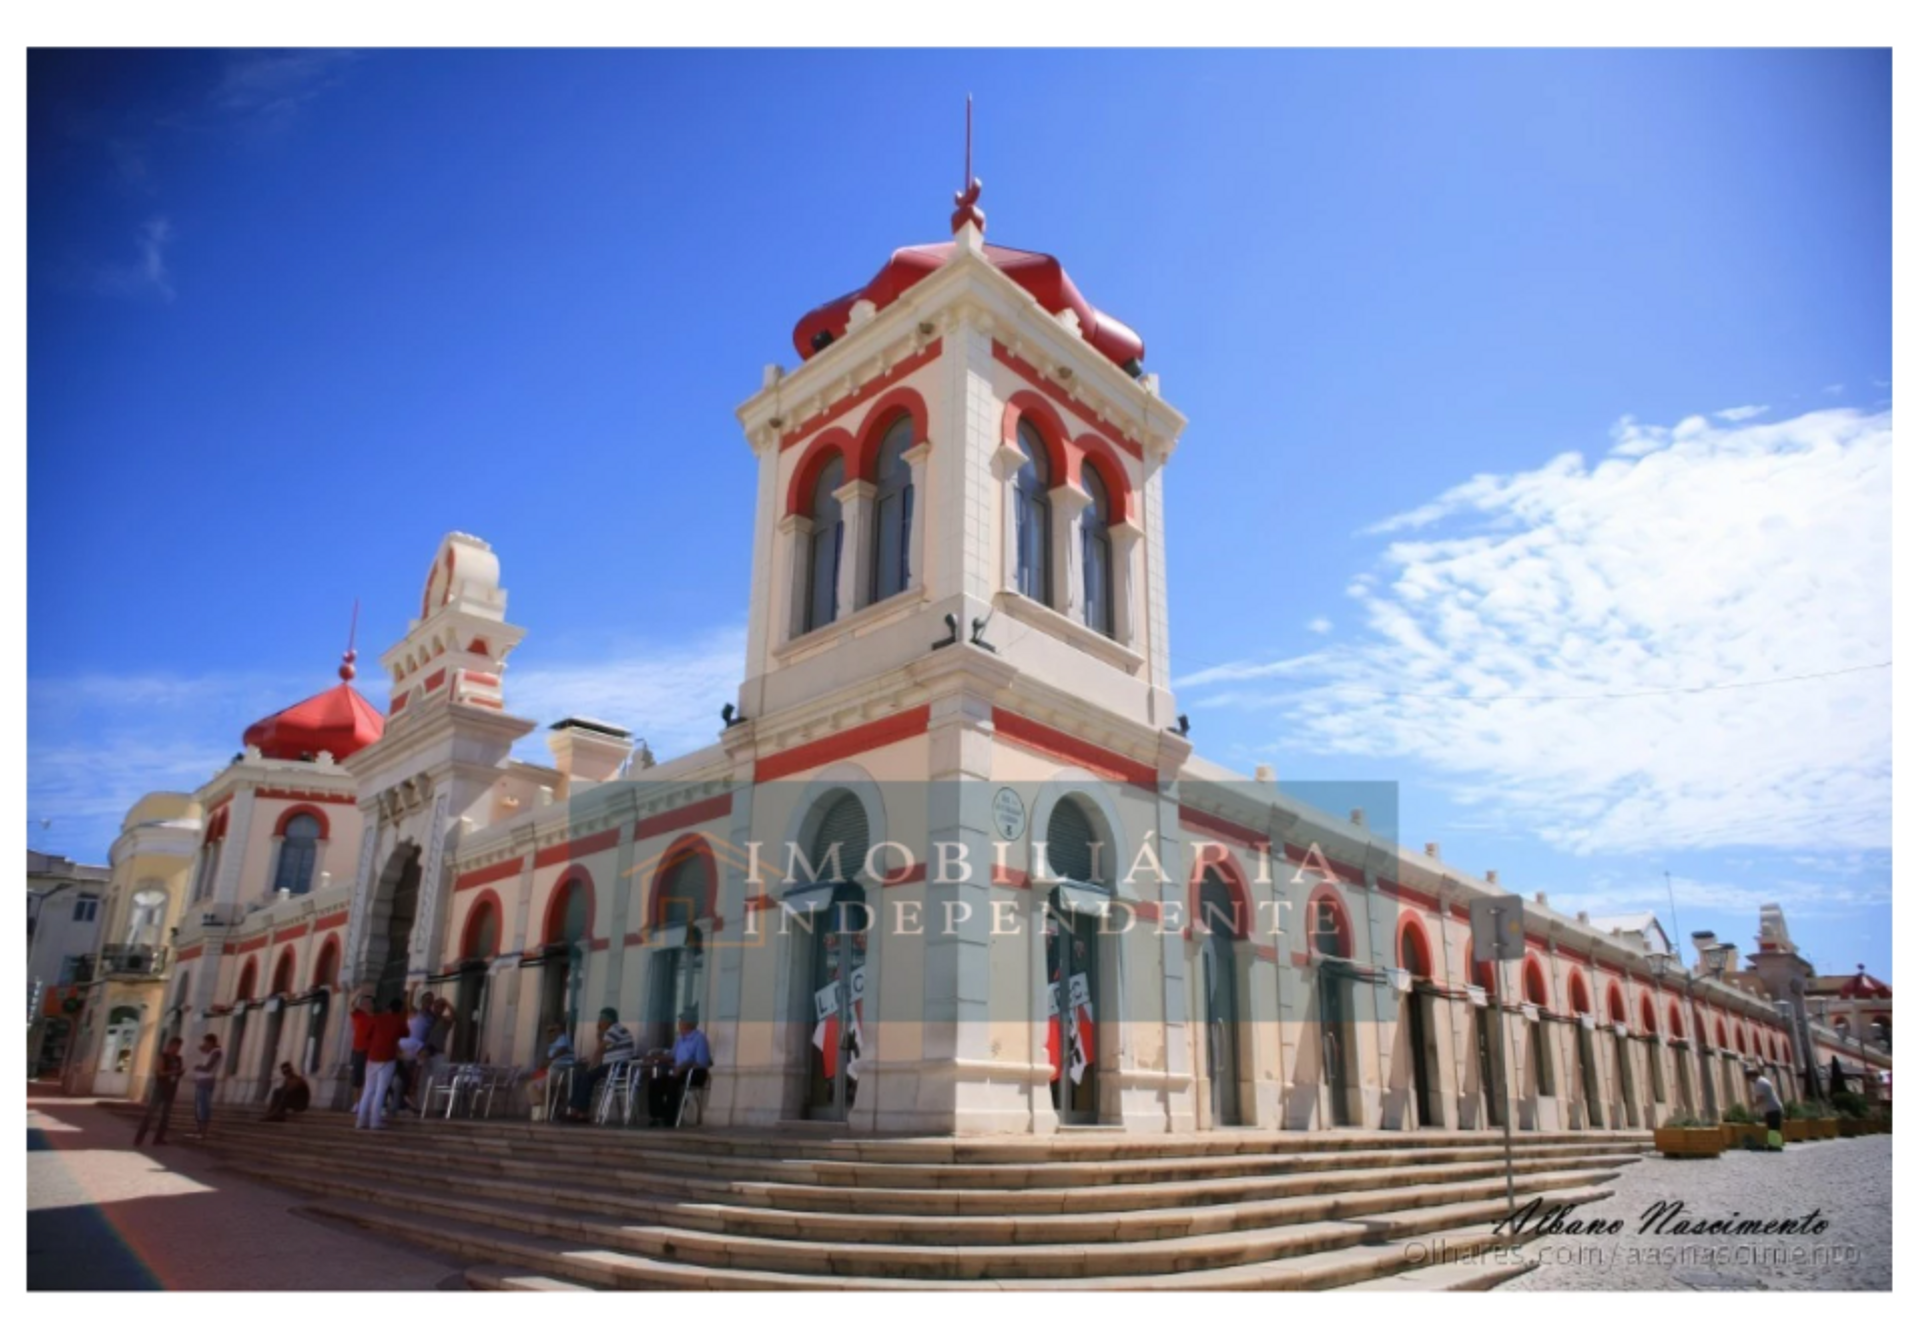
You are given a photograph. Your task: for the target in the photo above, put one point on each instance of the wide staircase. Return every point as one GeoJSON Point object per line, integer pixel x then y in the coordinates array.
{"type": "Point", "coordinates": [554, 1207]}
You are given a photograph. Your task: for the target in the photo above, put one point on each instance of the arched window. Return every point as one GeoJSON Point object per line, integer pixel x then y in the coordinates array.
{"type": "Point", "coordinates": [299, 846]}
{"type": "Point", "coordinates": [823, 548]}
{"type": "Point", "coordinates": [482, 938]}
{"type": "Point", "coordinates": [283, 973]}
{"type": "Point", "coordinates": [1413, 952]}
{"type": "Point", "coordinates": [1219, 911]}
{"type": "Point", "coordinates": [1327, 926]}
{"type": "Point", "coordinates": [684, 888]}
{"type": "Point", "coordinates": [248, 979]}
{"type": "Point", "coordinates": [1096, 554]}
{"type": "Point", "coordinates": [326, 969]}
{"type": "Point", "coordinates": [567, 917]}
{"type": "Point", "coordinates": [893, 511]}
{"type": "Point", "coordinates": [146, 918]}
{"type": "Point", "coordinates": [840, 842]}
{"type": "Point", "coordinates": [1032, 518]}
{"type": "Point", "coordinates": [1073, 847]}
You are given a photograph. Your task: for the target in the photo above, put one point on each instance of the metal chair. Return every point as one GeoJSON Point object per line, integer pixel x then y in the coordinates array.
{"type": "Point", "coordinates": [616, 1091]}
{"type": "Point", "coordinates": [560, 1081]}
{"type": "Point", "coordinates": [499, 1079]}
{"type": "Point", "coordinates": [696, 1082]}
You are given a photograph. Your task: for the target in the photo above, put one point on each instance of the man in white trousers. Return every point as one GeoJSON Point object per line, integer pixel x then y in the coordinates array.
{"type": "Point", "coordinates": [383, 1053]}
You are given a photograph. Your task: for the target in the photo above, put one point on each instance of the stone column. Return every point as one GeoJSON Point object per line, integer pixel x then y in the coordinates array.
{"type": "Point", "coordinates": [856, 545]}
{"type": "Point", "coordinates": [1125, 536]}
{"type": "Point", "coordinates": [917, 548]}
{"type": "Point", "coordinates": [1069, 502]}
{"type": "Point", "coordinates": [791, 614]}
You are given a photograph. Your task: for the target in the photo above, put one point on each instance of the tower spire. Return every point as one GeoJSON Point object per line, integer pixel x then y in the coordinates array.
{"type": "Point", "coordinates": [966, 200]}
{"type": "Point", "coordinates": [346, 660]}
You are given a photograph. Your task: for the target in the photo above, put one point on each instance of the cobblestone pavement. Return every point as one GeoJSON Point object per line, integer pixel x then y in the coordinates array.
{"type": "Point", "coordinates": [103, 1215]}
{"type": "Point", "coordinates": [1849, 1181]}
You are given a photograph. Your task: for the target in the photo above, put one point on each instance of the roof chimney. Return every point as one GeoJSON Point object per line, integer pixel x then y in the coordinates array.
{"type": "Point", "coordinates": [1358, 817]}
{"type": "Point", "coordinates": [1433, 850]}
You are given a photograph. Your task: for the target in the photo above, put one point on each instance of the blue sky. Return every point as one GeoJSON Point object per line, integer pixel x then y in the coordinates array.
{"type": "Point", "coordinates": [1525, 389]}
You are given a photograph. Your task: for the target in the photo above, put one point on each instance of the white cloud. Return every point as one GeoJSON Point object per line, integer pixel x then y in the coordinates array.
{"type": "Point", "coordinates": [1741, 413]}
{"type": "Point", "coordinates": [146, 275]}
{"type": "Point", "coordinates": [1691, 555]}
{"type": "Point", "coordinates": [98, 742]}
{"type": "Point", "coordinates": [1798, 898]}
{"type": "Point", "coordinates": [1319, 626]}
{"type": "Point", "coordinates": [669, 695]}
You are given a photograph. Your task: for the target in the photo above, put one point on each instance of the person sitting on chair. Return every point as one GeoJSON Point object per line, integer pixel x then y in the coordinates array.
{"type": "Point", "coordinates": [616, 1046]}
{"type": "Point", "coordinates": [690, 1056]}
{"type": "Point", "coordinates": [291, 1097]}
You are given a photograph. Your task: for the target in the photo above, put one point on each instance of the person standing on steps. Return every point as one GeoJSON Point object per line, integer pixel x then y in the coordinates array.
{"type": "Point", "coordinates": [362, 1019]}
{"type": "Point", "coordinates": [383, 1051]}
{"type": "Point", "coordinates": [205, 1074]}
{"type": "Point", "coordinates": [166, 1084]}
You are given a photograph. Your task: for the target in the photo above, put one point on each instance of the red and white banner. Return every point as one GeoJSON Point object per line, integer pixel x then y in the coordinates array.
{"type": "Point", "coordinates": [1079, 1036]}
{"type": "Point", "coordinates": [826, 1030]}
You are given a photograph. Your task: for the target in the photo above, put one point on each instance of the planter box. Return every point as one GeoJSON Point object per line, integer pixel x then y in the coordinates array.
{"type": "Point", "coordinates": [1745, 1135]}
{"type": "Point", "coordinates": [1853, 1126]}
{"type": "Point", "coordinates": [1707, 1142]}
{"type": "Point", "coordinates": [1796, 1131]}
{"type": "Point", "coordinates": [1827, 1126]}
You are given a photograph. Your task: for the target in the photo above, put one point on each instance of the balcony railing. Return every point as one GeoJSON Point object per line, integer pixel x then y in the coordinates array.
{"type": "Point", "coordinates": [129, 959]}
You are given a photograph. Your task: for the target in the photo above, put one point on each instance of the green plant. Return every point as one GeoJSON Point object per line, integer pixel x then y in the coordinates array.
{"type": "Point", "coordinates": [1851, 1104]}
{"type": "Point", "coordinates": [1738, 1114]}
{"type": "Point", "coordinates": [1686, 1122]}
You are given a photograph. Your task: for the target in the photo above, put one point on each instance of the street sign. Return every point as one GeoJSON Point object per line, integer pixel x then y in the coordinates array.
{"type": "Point", "coordinates": [1498, 935]}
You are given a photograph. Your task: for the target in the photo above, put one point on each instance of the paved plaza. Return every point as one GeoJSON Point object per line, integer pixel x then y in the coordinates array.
{"type": "Point", "coordinates": [103, 1215]}
{"type": "Point", "coordinates": [1849, 1180]}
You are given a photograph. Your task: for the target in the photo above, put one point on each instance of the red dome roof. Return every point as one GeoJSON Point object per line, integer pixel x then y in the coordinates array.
{"type": "Point", "coordinates": [1039, 274]}
{"type": "Point", "coordinates": [338, 721]}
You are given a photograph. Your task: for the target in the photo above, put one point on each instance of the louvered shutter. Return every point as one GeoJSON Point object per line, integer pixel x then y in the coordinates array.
{"type": "Point", "coordinates": [845, 825]}
{"type": "Point", "coordinates": [1070, 841]}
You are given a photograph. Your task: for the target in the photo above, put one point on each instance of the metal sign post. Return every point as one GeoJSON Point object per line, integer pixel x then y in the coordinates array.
{"type": "Point", "coordinates": [1499, 936]}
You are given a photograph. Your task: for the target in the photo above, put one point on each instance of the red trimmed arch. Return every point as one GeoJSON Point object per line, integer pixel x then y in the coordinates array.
{"type": "Point", "coordinates": [823, 450]}
{"type": "Point", "coordinates": [1649, 1019]}
{"type": "Point", "coordinates": [1062, 454]}
{"type": "Point", "coordinates": [1096, 454]}
{"type": "Point", "coordinates": [1328, 895]}
{"type": "Point", "coordinates": [691, 846]}
{"type": "Point", "coordinates": [249, 981]}
{"type": "Point", "coordinates": [1616, 1002]}
{"type": "Point", "coordinates": [1720, 1032]}
{"type": "Point", "coordinates": [1676, 1022]}
{"type": "Point", "coordinates": [551, 922]}
{"type": "Point", "coordinates": [1578, 999]}
{"type": "Point", "coordinates": [1411, 950]}
{"type": "Point", "coordinates": [326, 963]}
{"type": "Point", "coordinates": [298, 810]}
{"type": "Point", "coordinates": [469, 930]}
{"type": "Point", "coordinates": [1533, 983]}
{"type": "Point", "coordinates": [283, 973]}
{"type": "Point", "coordinates": [890, 406]}
{"type": "Point", "coordinates": [1214, 856]}
{"type": "Point", "coordinates": [1482, 974]}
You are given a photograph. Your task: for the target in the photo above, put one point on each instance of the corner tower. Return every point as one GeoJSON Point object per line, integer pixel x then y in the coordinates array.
{"type": "Point", "coordinates": [969, 449]}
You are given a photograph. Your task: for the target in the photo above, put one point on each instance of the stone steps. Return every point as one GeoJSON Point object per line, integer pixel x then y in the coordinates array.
{"type": "Point", "coordinates": [539, 1208]}
{"type": "Point", "coordinates": [592, 1151]}
{"type": "Point", "coordinates": [547, 1263]}
{"type": "Point", "coordinates": [398, 1187]}
{"type": "Point", "coordinates": [902, 1209]}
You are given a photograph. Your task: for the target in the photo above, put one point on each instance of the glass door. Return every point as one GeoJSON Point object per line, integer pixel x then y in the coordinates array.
{"type": "Point", "coordinates": [1072, 986]}
{"type": "Point", "coordinates": [839, 1002]}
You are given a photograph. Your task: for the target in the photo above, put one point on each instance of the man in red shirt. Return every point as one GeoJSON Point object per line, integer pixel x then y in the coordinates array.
{"type": "Point", "coordinates": [383, 1050]}
{"type": "Point", "coordinates": [362, 1018]}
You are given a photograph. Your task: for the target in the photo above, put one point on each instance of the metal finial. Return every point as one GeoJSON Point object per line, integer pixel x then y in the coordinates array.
{"type": "Point", "coordinates": [346, 660]}
{"type": "Point", "coordinates": [966, 200]}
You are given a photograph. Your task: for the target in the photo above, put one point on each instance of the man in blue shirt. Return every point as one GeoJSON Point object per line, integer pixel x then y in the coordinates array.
{"type": "Point", "coordinates": [691, 1060]}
